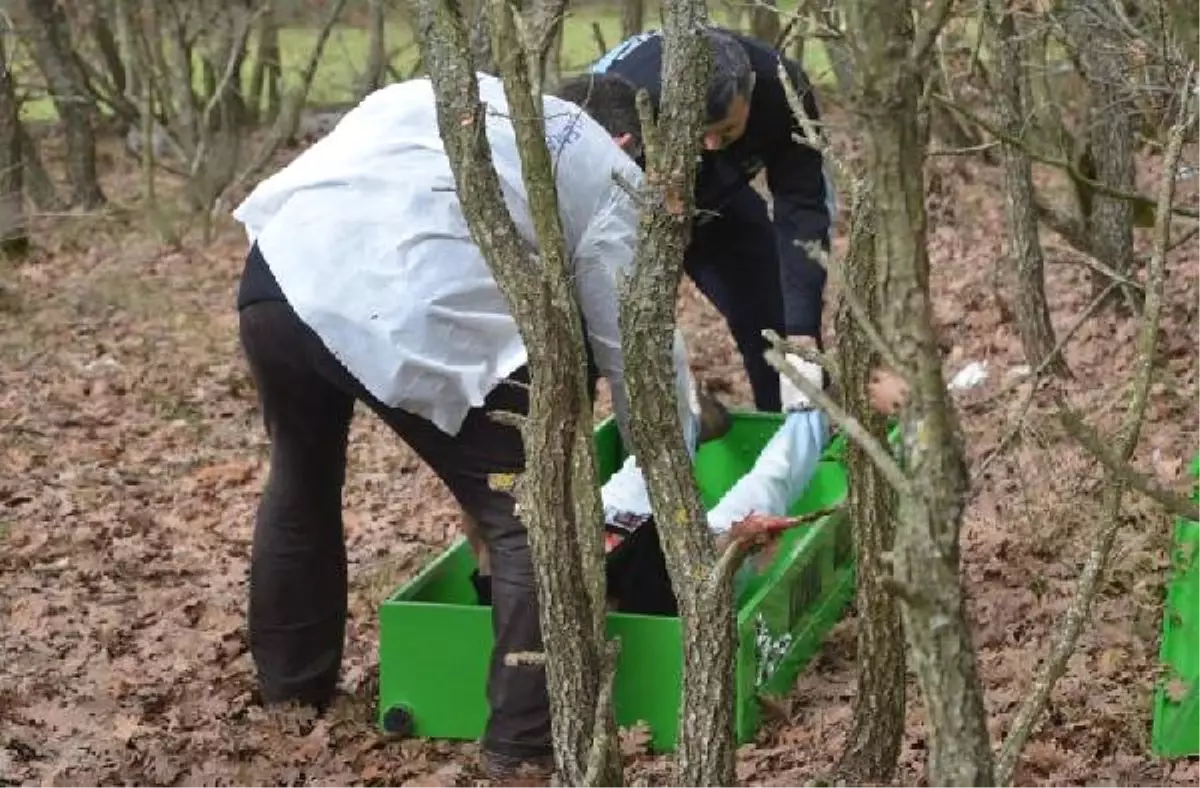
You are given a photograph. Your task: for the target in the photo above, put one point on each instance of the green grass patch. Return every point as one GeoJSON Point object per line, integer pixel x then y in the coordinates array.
{"type": "Point", "coordinates": [345, 57]}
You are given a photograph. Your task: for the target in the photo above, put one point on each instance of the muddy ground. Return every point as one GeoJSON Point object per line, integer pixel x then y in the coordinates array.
{"type": "Point", "coordinates": [132, 457]}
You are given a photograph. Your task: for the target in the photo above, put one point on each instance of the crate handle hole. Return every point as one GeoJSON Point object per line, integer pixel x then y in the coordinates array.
{"type": "Point", "coordinates": [398, 721]}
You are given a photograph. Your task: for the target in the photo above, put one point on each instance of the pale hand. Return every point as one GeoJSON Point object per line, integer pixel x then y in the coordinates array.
{"type": "Point", "coordinates": [758, 530]}
{"type": "Point", "coordinates": [887, 392]}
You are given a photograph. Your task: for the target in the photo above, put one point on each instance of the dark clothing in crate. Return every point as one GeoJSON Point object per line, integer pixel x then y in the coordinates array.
{"type": "Point", "coordinates": [752, 266]}
{"type": "Point", "coordinates": [635, 572]}
{"type": "Point", "coordinates": [298, 582]}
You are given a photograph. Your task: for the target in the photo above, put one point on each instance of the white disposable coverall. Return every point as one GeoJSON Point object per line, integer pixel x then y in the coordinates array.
{"type": "Point", "coordinates": [366, 238]}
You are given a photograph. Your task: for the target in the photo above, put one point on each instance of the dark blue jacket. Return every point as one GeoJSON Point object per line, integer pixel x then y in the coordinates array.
{"type": "Point", "coordinates": [802, 193]}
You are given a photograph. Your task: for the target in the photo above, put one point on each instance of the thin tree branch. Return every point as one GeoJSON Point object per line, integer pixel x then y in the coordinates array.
{"type": "Point", "coordinates": [860, 200]}
{"type": "Point", "coordinates": [1035, 378]}
{"type": "Point", "coordinates": [928, 34]}
{"type": "Point", "coordinates": [853, 428]}
{"type": "Point", "coordinates": [1062, 164]}
{"type": "Point", "coordinates": [1177, 505]}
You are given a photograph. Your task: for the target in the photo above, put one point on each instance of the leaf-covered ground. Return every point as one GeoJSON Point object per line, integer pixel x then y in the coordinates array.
{"type": "Point", "coordinates": [132, 457]}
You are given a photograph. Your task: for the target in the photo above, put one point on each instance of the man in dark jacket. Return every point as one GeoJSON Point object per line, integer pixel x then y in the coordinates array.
{"type": "Point", "coordinates": [752, 267]}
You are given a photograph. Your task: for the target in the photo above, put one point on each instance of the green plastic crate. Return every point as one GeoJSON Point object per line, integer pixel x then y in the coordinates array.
{"type": "Point", "coordinates": [435, 641]}
{"type": "Point", "coordinates": [1176, 728]}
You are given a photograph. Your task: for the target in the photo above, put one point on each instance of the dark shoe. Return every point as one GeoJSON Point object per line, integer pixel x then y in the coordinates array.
{"type": "Point", "coordinates": [533, 770]}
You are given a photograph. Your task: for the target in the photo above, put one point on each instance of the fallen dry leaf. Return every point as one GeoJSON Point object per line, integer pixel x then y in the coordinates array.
{"type": "Point", "coordinates": [635, 740]}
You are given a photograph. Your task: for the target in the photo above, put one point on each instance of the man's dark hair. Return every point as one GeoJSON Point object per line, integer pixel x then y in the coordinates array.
{"type": "Point", "coordinates": [609, 99]}
{"type": "Point", "coordinates": [732, 74]}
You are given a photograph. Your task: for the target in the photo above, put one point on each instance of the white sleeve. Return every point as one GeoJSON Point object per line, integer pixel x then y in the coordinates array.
{"type": "Point", "coordinates": [603, 257]}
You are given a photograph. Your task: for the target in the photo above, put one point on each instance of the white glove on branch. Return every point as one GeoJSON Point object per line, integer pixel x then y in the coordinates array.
{"type": "Point", "coordinates": [792, 397]}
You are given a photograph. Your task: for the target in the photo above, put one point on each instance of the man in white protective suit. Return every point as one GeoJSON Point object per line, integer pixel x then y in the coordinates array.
{"type": "Point", "coordinates": [362, 284]}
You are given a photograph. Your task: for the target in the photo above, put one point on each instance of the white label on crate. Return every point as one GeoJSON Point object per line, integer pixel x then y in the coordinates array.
{"type": "Point", "coordinates": [770, 649]}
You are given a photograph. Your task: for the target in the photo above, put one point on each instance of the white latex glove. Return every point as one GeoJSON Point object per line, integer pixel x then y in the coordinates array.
{"type": "Point", "coordinates": [792, 397]}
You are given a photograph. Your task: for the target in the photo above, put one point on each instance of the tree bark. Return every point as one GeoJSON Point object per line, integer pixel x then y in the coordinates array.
{"type": "Point", "coordinates": [267, 71]}
{"type": "Point", "coordinates": [702, 580]}
{"type": "Point", "coordinates": [557, 494]}
{"type": "Point", "coordinates": [50, 37]}
{"type": "Point", "coordinates": [1185, 19]}
{"type": "Point", "coordinates": [764, 21]}
{"type": "Point", "coordinates": [1109, 154]}
{"type": "Point", "coordinates": [1024, 262]}
{"type": "Point", "coordinates": [376, 49]}
{"type": "Point", "coordinates": [827, 15]}
{"type": "Point", "coordinates": [633, 17]}
{"type": "Point", "coordinates": [888, 56]}
{"type": "Point", "coordinates": [35, 178]}
{"type": "Point", "coordinates": [873, 747]}
{"type": "Point", "coordinates": [14, 230]}
{"type": "Point", "coordinates": [481, 36]}
{"type": "Point", "coordinates": [1123, 443]}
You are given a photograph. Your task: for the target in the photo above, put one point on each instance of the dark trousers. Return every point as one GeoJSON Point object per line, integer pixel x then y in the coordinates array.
{"type": "Point", "coordinates": [298, 586]}
{"type": "Point", "coordinates": [734, 260]}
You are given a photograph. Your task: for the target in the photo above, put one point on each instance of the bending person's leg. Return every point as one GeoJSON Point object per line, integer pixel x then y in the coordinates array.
{"type": "Point", "coordinates": [519, 725]}
{"type": "Point", "coordinates": [297, 614]}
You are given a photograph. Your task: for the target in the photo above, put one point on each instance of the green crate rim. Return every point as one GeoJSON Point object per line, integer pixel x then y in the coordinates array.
{"type": "Point", "coordinates": [1175, 727]}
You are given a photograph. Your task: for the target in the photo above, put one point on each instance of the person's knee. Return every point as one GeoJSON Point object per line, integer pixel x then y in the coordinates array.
{"type": "Point", "coordinates": [511, 561]}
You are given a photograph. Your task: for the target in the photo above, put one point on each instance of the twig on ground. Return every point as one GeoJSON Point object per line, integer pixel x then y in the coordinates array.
{"type": "Point", "coordinates": [1035, 379]}
{"type": "Point", "coordinates": [1176, 504]}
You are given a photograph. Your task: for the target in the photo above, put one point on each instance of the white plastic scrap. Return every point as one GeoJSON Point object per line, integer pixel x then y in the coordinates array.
{"type": "Point", "coordinates": [970, 376]}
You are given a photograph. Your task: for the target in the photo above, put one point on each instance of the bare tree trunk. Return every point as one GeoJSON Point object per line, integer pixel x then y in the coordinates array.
{"type": "Point", "coordinates": [51, 40]}
{"type": "Point", "coordinates": [481, 36]}
{"type": "Point", "coordinates": [1124, 442]}
{"type": "Point", "coordinates": [267, 70]}
{"type": "Point", "coordinates": [36, 180]}
{"type": "Point", "coordinates": [1185, 18]}
{"type": "Point", "coordinates": [890, 57]}
{"type": "Point", "coordinates": [764, 21]}
{"type": "Point", "coordinates": [14, 230]}
{"type": "Point", "coordinates": [828, 16]}
{"type": "Point", "coordinates": [558, 497]}
{"type": "Point", "coordinates": [1109, 158]}
{"type": "Point", "coordinates": [633, 17]}
{"type": "Point", "coordinates": [702, 580]}
{"type": "Point", "coordinates": [542, 32]}
{"type": "Point", "coordinates": [376, 49]}
{"type": "Point", "coordinates": [552, 58]}
{"type": "Point", "coordinates": [873, 747]}
{"type": "Point", "coordinates": [1024, 261]}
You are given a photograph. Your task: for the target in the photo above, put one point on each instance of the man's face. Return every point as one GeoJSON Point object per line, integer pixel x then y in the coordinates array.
{"type": "Point", "coordinates": [730, 128]}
